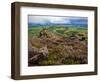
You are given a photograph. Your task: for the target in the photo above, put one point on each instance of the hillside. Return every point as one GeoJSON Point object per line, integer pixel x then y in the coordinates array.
{"type": "Point", "coordinates": [57, 45]}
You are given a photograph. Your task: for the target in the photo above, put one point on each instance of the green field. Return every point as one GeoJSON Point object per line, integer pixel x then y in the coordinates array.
{"type": "Point", "coordinates": [57, 45]}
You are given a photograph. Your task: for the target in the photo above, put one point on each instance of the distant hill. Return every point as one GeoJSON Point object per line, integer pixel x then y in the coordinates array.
{"type": "Point", "coordinates": [51, 24]}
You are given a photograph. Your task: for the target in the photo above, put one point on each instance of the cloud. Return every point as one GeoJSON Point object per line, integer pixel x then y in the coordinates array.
{"type": "Point", "coordinates": [56, 20]}
{"type": "Point", "coordinates": [37, 19]}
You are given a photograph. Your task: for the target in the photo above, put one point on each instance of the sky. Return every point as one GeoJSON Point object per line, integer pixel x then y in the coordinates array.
{"type": "Point", "coordinates": [47, 20]}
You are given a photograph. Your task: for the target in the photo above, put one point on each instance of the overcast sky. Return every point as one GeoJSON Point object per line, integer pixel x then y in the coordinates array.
{"type": "Point", "coordinates": [56, 19]}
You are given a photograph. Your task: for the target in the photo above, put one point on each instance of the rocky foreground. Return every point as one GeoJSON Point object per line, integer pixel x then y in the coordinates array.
{"type": "Point", "coordinates": [51, 49]}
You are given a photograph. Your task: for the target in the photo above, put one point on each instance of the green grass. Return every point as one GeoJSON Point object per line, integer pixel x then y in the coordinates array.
{"type": "Point", "coordinates": [34, 31]}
